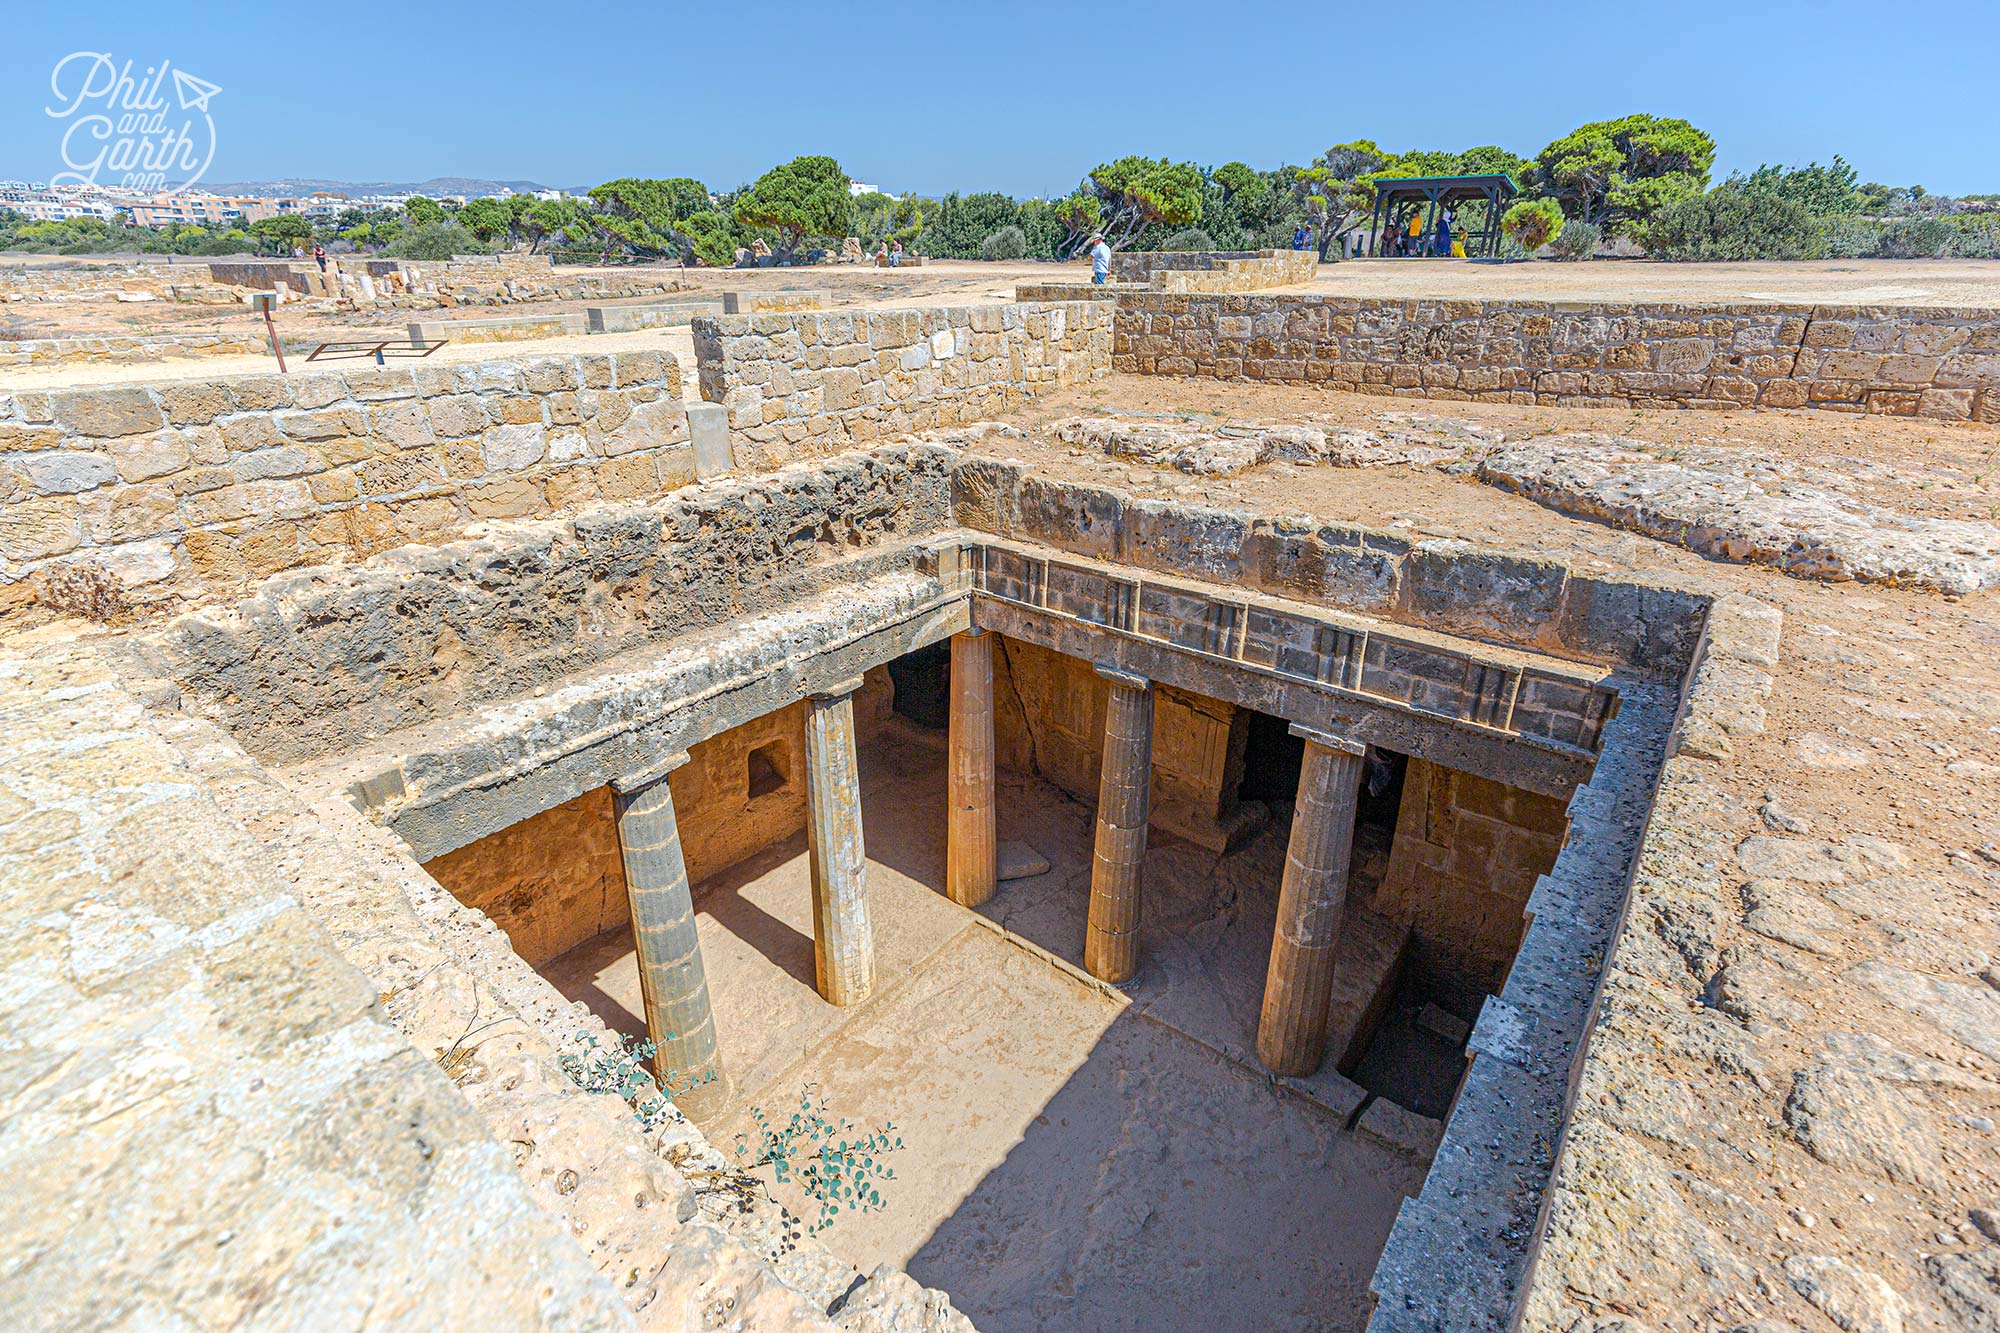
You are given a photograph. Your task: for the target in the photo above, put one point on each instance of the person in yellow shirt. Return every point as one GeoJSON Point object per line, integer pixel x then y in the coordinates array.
{"type": "Point", "coordinates": [1413, 242]}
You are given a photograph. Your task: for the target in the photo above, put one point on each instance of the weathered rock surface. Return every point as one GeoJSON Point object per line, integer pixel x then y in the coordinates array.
{"type": "Point", "coordinates": [1732, 508]}
{"type": "Point", "coordinates": [1724, 503]}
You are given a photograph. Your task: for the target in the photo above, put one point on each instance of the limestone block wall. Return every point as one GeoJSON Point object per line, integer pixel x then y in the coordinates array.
{"type": "Point", "coordinates": [1049, 720]}
{"type": "Point", "coordinates": [1466, 855]}
{"type": "Point", "coordinates": [553, 881]}
{"type": "Point", "coordinates": [1075, 291]}
{"type": "Point", "coordinates": [313, 661]}
{"type": "Point", "coordinates": [186, 490]}
{"type": "Point", "coordinates": [91, 282]}
{"type": "Point", "coordinates": [138, 347]}
{"type": "Point", "coordinates": [805, 382]}
{"type": "Point", "coordinates": [514, 328]}
{"type": "Point", "coordinates": [674, 312]}
{"type": "Point", "coordinates": [1216, 270]}
{"type": "Point", "coordinates": [769, 303]}
{"type": "Point", "coordinates": [731, 806]}
{"type": "Point", "coordinates": [1942, 363]}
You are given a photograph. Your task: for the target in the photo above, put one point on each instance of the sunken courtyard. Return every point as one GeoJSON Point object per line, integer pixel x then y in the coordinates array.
{"type": "Point", "coordinates": [1292, 810]}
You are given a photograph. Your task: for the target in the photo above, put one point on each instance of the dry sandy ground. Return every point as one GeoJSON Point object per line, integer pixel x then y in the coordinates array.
{"type": "Point", "coordinates": [1884, 722]}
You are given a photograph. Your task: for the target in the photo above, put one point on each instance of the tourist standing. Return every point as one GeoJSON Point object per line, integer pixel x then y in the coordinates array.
{"type": "Point", "coordinates": [1100, 259]}
{"type": "Point", "coordinates": [319, 257]}
{"type": "Point", "coordinates": [1443, 243]}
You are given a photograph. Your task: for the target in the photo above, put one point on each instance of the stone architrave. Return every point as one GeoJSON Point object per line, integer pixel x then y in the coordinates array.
{"type": "Point", "coordinates": [672, 981]}
{"type": "Point", "coordinates": [1298, 990]}
{"type": "Point", "coordinates": [843, 936]}
{"type": "Point", "coordinates": [972, 838]}
{"type": "Point", "coordinates": [1124, 803]}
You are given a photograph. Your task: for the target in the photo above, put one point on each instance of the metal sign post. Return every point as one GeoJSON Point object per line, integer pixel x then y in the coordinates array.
{"type": "Point", "coordinates": [263, 303]}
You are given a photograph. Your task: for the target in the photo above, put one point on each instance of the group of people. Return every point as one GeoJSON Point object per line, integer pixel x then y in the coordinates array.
{"type": "Point", "coordinates": [1411, 241]}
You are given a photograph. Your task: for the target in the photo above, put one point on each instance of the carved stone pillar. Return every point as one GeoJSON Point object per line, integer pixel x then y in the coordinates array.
{"type": "Point", "coordinates": [843, 937]}
{"type": "Point", "coordinates": [971, 863]}
{"type": "Point", "coordinates": [672, 982]}
{"type": "Point", "coordinates": [1291, 1032]}
{"type": "Point", "coordinates": [1124, 802]}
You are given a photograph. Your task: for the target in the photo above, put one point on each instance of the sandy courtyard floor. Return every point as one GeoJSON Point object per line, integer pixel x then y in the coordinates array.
{"type": "Point", "coordinates": [1074, 1158]}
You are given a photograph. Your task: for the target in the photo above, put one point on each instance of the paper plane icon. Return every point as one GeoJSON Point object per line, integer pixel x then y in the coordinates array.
{"type": "Point", "coordinates": [194, 93]}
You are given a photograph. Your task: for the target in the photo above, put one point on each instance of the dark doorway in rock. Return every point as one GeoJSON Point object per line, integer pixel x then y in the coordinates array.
{"type": "Point", "coordinates": [922, 680]}
{"type": "Point", "coordinates": [1272, 757]}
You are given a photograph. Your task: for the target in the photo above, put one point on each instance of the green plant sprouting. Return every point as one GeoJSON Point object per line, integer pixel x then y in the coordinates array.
{"type": "Point", "coordinates": [837, 1165]}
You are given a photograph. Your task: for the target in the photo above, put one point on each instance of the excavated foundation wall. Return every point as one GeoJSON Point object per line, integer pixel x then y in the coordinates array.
{"type": "Point", "coordinates": [188, 490]}
{"type": "Point", "coordinates": [551, 882]}
{"type": "Point", "coordinates": [555, 880]}
{"type": "Point", "coordinates": [1914, 361]}
{"type": "Point", "coordinates": [311, 663]}
{"type": "Point", "coordinates": [1466, 855]}
{"type": "Point", "coordinates": [1049, 720]}
{"type": "Point", "coordinates": [476, 647]}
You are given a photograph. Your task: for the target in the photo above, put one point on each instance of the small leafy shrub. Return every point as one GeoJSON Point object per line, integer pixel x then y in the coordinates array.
{"type": "Point", "coordinates": [1189, 239]}
{"type": "Point", "coordinates": [1916, 238]}
{"type": "Point", "coordinates": [826, 1156]}
{"type": "Point", "coordinates": [1577, 240]}
{"type": "Point", "coordinates": [1007, 243]}
{"type": "Point", "coordinates": [1850, 238]}
{"type": "Point", "coordinates": [828, 1160]}
{"type": "Point", "coordinates": [436, 241]}
{"type": "Point", "coordinates": [1533, 223]}
{"type": "Point", "coordinates": [1730, 222]}
{"type": "Point", "coordinates": [1977, 238]}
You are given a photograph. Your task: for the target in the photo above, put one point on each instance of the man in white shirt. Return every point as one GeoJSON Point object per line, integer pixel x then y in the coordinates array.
{"type": "Point", "coordinates": [1100, 259]}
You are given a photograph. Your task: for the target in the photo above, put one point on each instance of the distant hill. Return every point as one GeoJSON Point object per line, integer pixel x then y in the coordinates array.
{"type": "Point", "coordinates": [465, 185]}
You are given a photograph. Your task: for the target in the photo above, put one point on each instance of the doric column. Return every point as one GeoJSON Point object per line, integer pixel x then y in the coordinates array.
{"type": "Point", "coordinates": [1291, 1033]}
{"type": "Point", "coordinates": [971, 864]}
{"type": "Point", "coordinates": [1124, 802]}
{"type": "Point", "coordinates": [843, 938]}
{"type": "Point", "coordinates": [672, 983]}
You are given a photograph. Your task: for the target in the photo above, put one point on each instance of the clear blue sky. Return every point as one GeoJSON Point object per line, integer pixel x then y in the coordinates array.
{"type": "Point", "coordinates": [1021, 97]}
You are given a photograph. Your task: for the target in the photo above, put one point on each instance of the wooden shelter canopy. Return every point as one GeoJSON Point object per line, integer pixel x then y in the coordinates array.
{"type": "Point", "coordinates": [1395, 196]}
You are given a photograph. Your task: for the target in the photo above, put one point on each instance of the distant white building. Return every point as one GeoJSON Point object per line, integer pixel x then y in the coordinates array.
{"type": "Point", "coordinates": [857, 188]}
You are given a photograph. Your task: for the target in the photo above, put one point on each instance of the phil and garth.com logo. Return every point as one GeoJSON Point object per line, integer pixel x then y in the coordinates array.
{"type": "Point", "coordinates": [125, 130]}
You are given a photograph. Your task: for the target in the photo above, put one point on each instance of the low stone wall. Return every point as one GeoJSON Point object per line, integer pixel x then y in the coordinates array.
{"type": "Point", "coordinates": [806, 382]}
{"type": "Point", "coordinates": [138, 347]}
{"type": "Point", "coordinates": [1216, 271]}
{"type": "Point", "coordinates": [1075, 291]}
{"type": "Point", "coordinates": [92, 282]}
{"type": "Point", "coordinates": [1942, 363]}
{"type": "Point", "coordinates": [188, 489]}
{"type": "Point", "coordinates": [674, 312]}
{"type": "Point", "coordinates": [772, 303]}
{"type": "Point", "coordinates": [512, 328]}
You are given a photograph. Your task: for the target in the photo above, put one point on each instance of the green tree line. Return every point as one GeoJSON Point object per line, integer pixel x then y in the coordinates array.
{"type": "Point", "coordinates": [1639, 178]}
